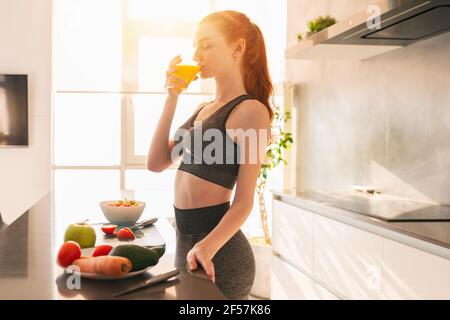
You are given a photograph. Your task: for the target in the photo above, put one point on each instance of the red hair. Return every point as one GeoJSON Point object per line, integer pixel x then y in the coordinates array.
{"type": "Point", "coordinates": [235, 25]}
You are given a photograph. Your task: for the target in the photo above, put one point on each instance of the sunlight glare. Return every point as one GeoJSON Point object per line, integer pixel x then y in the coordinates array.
{"type": "Point", "coordinates": [168, 10]}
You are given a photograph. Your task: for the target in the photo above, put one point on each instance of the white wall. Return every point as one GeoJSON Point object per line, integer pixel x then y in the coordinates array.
{"type": "Point", "coordinates": [383, 122]}
{"type": "Point", "coordinates": [26, 48]}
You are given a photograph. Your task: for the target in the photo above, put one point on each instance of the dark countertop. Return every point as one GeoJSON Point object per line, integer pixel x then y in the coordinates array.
{"type": "Point", "coordinates": [430, 236]}
{"type": "Point", "coordinates": [28, 269]}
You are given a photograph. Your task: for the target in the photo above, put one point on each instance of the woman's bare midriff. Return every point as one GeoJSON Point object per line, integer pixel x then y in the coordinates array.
{"type": "Point", "coordinates": [194, 192]}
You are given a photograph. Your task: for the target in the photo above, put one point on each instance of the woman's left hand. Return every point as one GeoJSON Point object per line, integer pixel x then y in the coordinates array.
{"type": "Point", "coordinates": [200, 254]}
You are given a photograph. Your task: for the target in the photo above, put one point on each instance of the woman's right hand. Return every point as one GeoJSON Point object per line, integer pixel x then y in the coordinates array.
{"type": "Point", "coordinates": [174, 84]}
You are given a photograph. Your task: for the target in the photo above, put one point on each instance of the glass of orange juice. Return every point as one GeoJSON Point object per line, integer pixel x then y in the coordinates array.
{"type": "Point", "coordinates": [187, 72]}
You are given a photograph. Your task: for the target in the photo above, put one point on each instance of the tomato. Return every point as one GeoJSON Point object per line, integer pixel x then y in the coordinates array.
{"type": "Point", "coordinates": [109, 229]}
{"type": "Point", "coordinates": [68, 253]}
{"type": "Point", "coordinates": [102, 250]}
{"type": "Point", "coordinates": [125, 234]}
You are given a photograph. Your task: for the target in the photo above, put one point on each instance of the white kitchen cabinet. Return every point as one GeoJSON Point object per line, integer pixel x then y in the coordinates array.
{"type": "Point", "coordinates": [293, 234]}
{"type": "Point", "coordinates": [319, 250]}
{"type": "Point", "coordinates": [288, 283]}
{"type": "Point", "coordinates": [347, 259]}
{"type": "Point", "coordinates": [410, 273]}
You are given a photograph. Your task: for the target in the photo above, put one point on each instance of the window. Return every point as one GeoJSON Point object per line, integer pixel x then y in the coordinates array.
{"type": "Point", "coordinates": [87, 129]}
{"type": "Point", "coordinates": [110, 63]}
{"type": "Point", "coordinates": [147, 108]}
{"type": "Point", "coordinates": [78, 193]}
{"type": "Point", "coordinates": [88, 45]}
{"type": "Point", "coordinates": [173, 11]}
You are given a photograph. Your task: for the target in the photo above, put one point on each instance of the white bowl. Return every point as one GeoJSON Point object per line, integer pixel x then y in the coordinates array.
{"type": "Point", "coordinates": [122, 215]}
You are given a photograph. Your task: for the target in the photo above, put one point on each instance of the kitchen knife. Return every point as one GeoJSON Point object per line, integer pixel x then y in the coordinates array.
{"type": "Point", "coordinates": [153, 280]}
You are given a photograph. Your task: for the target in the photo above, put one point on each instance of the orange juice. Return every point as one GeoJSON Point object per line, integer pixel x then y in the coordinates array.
{"type": "Point", "coordinates": [187, 72]}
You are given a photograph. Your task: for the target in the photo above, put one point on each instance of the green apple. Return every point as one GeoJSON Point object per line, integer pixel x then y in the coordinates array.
{"type": "Point", "coordinates": [82, 233]}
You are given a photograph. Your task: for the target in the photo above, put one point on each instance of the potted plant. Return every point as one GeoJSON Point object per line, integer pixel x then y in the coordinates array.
{"type": "Point", "coordinates": [321, 23]}
{"type": "Point", "coordinates": [317, 25]}
{"type": "Point", "coordinates": [262, 246]}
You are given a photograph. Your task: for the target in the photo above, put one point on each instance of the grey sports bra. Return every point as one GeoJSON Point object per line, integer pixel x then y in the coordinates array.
{"type": "Point", "coordinates": [219, 167]}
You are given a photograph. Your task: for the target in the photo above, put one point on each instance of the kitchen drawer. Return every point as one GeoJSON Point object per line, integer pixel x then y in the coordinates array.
{"type": "Point", "coordinates": [293, 234]}
{"type": "Point", "coordinates": [410, 273]}
{"type": "Point", "coordinates": [348, 260]}
{"type": "Point", "coordinates": [288, 283]}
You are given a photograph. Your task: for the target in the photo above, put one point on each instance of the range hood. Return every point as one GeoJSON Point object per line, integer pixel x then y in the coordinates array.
{"type": "Point", "coordinates": [401, 23]}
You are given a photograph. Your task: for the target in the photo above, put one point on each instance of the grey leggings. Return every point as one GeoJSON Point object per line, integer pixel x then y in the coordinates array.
{"type": "Point", "coordinates": [234, 263]}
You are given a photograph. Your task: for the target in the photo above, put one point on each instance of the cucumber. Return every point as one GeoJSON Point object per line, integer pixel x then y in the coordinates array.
{"type": "Point", "coordinates": [140, 257]}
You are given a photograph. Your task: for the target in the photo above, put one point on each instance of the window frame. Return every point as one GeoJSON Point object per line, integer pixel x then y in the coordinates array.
{"type": "Point", "coordinates": [132, 32]}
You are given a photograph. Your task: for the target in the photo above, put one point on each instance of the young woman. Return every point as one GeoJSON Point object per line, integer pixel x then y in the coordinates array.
{"type": "Point", "coordinates": [230, 49]}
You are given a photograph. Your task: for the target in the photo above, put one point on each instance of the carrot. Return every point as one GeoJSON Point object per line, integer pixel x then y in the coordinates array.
{"type": "Point", "coordinates": [107, 265]}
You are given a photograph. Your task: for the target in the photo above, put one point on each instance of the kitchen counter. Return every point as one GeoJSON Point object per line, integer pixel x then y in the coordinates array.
{"type": "Point", "coordinates": [28, 269]}
{"type": "Point", "coordinates": [430, 236]}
